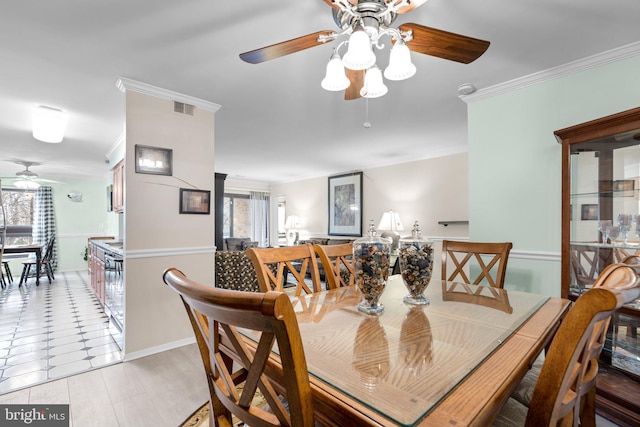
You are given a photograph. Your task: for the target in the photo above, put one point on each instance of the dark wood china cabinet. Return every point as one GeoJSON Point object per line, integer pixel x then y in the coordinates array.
{"type": "Point", "coordinates": [600, 226]}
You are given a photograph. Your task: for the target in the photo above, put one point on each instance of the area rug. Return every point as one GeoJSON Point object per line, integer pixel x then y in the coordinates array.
{"type": "Point", "coordinates": [200, 418]}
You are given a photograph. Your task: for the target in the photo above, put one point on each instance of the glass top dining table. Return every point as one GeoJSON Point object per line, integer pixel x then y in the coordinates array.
{"type": "Point", "coordinates": [452, 362]}
{"type": "Point", "coordinates": [402, 363]}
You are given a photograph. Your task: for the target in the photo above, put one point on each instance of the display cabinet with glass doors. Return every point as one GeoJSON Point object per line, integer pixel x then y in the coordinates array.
{"type": "Point", "coordinates": [601, 226]}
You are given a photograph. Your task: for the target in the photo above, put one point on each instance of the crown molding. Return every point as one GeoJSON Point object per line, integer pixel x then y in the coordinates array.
{"type": "Point", "coordinates": [587, 63]}
{"type": "Point", "coordinates": [125, 84]}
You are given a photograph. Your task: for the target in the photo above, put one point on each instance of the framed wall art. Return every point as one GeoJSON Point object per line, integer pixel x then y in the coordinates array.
{"type": "Point", "coordinates": [345, 204]}
{"type": "Point", "coordinates": [154, 160]}
{"type": "Point", "coordinates": [589, 212]}
{"type": "Point", "coordinates": [195, 201]}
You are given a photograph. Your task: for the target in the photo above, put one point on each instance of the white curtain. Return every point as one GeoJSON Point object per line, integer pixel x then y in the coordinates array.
{"type": "Point", "coordinates": [259, 205]}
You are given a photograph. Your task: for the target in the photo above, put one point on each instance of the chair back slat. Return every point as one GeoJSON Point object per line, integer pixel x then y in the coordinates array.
{"type": "Point", "coordinates": [296, 260]}
{"type": "Point", "coordinates": [337, 261]}
{"type": "Point", "coordinates": [461, 254]}
{"type": "Point", "coordinates": [216, 315]}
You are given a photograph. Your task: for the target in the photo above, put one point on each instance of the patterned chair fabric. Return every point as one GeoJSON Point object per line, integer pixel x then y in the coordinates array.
{"type": "Point", "coordinates": [235, 271]}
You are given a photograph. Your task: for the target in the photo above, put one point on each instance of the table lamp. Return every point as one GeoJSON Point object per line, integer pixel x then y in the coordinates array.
{"type": "Point", "coordinates": [291, 225]}
{"type": "Point", "coordinates": [389, 225]}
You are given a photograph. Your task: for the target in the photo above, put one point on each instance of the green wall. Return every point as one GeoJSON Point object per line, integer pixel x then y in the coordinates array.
{"type": "Point", "coordinates": [77, 221]}
{"type": "Point", "coordinates": [515, 162]}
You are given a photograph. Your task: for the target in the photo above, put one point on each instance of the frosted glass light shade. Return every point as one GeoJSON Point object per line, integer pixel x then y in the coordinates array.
{"type": "Point", "coordinates": [360, 54]}
{"type": "Point", "coordinates": [48, 124]}
{"type": "Point", "coordinates": [373, 87]}
{"type": "Point", "coordinates": [335, 78]}
{"type": "Point", "coordinates": [27, 185]}
{"type": "Point", "coordinates": [400, 65]}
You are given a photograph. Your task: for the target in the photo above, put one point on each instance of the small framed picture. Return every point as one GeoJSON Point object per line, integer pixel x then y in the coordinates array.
{"type": "Point", "coordinates": [624, 185]}
{"type": "Point", "coordinates": [195, 201]}
{"type": "Point", "coordinates": [154, 160]}
{"type": "Point", "coordinates": [589, 212]}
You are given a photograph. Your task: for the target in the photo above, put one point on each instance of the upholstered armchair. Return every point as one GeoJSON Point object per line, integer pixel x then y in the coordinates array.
{"type": "Point", "coordinates": [233, 270]}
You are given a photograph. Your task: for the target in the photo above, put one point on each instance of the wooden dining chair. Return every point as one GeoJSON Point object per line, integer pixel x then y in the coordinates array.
{"type": "Point", "coordinates": [45, 263]}
{"type": "Point", "coordinates": [216, 315]}
{"type": "Point", "coordinates": [294, 260]}
{"type": "Point", "coordinates": [619, 279]}
{"type": "Point", "coordinates": [462, 254]}
{"type": "Point", "coordinates": [337, 262]}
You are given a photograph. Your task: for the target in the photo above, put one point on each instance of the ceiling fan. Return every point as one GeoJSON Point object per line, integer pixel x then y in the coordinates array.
{"type": "Point", "coordinates": [366, 22]}
{"type": "Point", "coordinates": [26, 178]}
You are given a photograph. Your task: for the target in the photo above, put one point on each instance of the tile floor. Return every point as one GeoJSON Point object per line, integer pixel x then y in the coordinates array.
{"type": "Point", "coordinates": [52, 331]}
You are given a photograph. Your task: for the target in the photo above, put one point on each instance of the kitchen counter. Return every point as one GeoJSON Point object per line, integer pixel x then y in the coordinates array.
{"type": "Point", "coordinates": [111, 247]}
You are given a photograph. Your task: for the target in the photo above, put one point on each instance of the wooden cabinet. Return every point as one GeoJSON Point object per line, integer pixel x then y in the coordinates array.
{"type": "Point", "coordinates": [118, 187]}
{"type": "Point", "coordinates": [98, 277]}
{"type": "Point", "coordinates": [600, 226]}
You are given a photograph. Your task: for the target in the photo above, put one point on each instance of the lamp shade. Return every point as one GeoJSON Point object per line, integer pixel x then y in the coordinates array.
{"type": "Point", "coordinates": [400, 65]}
{"type": "Point", "coordinates": [390, 221]}
{"type": "Point", "coordinates": [335, 78]}
{"type": "Point", "coordinates": [373, 87]}
{"type": "Point", "coordinates": [360, 54]}
{"type": "Point", "coordinates": [292, 222]}
{"type": "Point", "coordinates": [48, 124]}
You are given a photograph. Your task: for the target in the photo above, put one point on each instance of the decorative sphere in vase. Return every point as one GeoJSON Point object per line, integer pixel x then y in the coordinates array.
{"type": "Point", "coordinates": [371, 255]}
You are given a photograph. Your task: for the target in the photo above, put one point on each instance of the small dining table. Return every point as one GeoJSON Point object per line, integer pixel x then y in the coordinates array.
{"type": "Point", "coordinates": [27, 249]}
{"type": "Point", "coordinates": [453, 362]}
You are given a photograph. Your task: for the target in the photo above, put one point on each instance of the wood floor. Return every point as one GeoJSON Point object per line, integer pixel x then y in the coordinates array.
{"type": "Point", "coordinates": [155, 391]}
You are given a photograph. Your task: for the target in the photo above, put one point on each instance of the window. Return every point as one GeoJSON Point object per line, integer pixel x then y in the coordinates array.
{"type": "Point", "coordinates": [18, 207]}
{"type": "Point", "coordinates": [237, 216]}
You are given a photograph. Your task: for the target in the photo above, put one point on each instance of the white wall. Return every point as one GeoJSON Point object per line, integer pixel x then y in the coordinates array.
{"type": "Point", "coordinates": [157, 236]}
{"type": "Point", "coordinates": [428, 191]}
{"type": "Point", "coordinates": [515, 162]}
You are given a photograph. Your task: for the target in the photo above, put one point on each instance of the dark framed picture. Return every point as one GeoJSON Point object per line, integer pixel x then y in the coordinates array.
{"type": "Point", "coordinates": [154, 160]}
{"type": "Point", "coordinates": [195, 201]}
{"type": "Point", "coordinates": [589, 212]}
{"type": "Point", "coordinates": [345, 204]}
{"type": "Point", "coordinates": [626, 185]}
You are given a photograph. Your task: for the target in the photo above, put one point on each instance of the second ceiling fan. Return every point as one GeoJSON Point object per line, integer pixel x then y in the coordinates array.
{"type": "Point", "coordinates": [366, 22]}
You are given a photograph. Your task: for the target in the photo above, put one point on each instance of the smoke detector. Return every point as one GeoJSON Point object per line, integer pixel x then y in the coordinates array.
{"type": "Point", "coordinates": [466, 89]}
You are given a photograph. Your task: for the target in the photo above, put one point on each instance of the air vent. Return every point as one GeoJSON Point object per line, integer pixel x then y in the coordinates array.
{"type": "Point", "coordinates": [182, 108]}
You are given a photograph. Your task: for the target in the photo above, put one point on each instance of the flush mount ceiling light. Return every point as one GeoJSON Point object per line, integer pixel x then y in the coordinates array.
{"type": "Point", "coordinates": [49, 124]}
{"type": "Point", "coordinates": [26, 184]}
{"type": "Point", "coordinates": [367, 24]}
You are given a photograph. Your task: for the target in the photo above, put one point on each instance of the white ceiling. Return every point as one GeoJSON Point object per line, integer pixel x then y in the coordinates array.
{"type": "Point", "coordinates": [275, 123]}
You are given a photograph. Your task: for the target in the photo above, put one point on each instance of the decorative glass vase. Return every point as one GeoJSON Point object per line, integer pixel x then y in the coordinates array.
{"type": "Point", "coordinates": [371, 255]}
{"type": "Point", "coordinates": [416, 265]}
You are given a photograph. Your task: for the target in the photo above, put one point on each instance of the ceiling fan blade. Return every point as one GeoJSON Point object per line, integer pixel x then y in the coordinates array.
{"type": "Point", "coordinates": [443, 44]}
{"type": "Point", "coordinates": [413, 5]}
{"type": "Point", "coordinates": [356, 77]}
{"type": "Point", "coordinates": [353, 2]}
{"type": "Point", "coordinates": [284, 48]}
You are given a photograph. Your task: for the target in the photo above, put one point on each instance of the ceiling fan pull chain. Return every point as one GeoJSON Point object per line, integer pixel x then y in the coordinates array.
{"type": "Point", "coordinates": [366, 124]}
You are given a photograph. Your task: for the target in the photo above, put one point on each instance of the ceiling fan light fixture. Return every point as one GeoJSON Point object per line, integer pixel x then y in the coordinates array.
{"type": "Point", "coordinates": [373, 87]}
{"type": "Point", "coordinates": [26, 184]}
{"type": "Point", "coordinates": [48, 124]}
{"type": "Point", "coordinates": [335, 78]}
{"type": "Point", "coordinates": [360, 54]}
{"type": "Point", "coordinates": [400, 65]}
